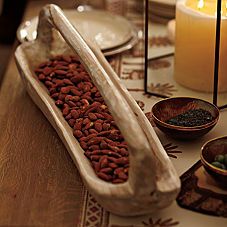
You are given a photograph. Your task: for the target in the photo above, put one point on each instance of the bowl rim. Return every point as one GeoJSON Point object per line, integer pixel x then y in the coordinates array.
{"type": "Point", "coordinates": [206, 163]}
{"type": "Point", "coordinates": [183, 128]}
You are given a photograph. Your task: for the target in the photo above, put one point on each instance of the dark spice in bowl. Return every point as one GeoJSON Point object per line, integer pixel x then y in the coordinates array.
{"type": "Point", "coordinates": [169, 116]}
{"type": "Point", "coordinates": [191, 118]}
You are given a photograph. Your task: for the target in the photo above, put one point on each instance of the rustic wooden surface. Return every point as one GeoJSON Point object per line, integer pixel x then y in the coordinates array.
{"type": "Point", "coordinates": [39, 184]}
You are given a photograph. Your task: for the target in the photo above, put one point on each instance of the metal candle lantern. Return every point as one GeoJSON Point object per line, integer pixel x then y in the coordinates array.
{"type": "Point", "coordinates": [216, 59]}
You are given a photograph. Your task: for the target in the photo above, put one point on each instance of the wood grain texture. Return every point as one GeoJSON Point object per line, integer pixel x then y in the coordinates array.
{"type": "Point", "coordinates": [39, 184]}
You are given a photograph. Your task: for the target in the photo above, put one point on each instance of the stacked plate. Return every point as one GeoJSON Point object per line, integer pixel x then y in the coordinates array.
{"type": "Point", "coordinates": [112, 33]}
{"type": "Point", "coordinates": [161, 11]}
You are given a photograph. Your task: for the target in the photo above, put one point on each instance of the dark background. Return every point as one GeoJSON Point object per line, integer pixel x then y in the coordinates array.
{"type": "Point", "coordinates": [10, 18]}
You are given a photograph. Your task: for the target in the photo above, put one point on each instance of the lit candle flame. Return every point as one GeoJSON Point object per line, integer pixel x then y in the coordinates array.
{"type": "Point", "coordinates": [200, 4]}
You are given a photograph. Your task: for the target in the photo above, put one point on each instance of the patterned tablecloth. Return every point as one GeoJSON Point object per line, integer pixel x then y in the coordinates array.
{"type": "Point", "coordinates": [129, 67]}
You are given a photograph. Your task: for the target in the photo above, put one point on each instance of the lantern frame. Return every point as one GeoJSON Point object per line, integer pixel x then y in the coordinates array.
{"type": "Point", "coordinates": [216, 61]}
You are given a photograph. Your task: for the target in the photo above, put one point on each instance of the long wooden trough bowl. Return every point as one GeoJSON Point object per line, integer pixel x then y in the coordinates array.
{"type": "Point", "coordinates": [153, 182]}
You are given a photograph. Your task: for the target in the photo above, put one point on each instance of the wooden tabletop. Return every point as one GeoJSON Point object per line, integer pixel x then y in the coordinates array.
{"type": "Point", "coordinates": [39, 184]}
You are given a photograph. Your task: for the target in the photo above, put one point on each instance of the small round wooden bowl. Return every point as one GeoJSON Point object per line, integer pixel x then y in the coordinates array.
{"type": "Point", "coordinates": [208, 153]}
{"type": "Point", "coordinates": [169, 108]}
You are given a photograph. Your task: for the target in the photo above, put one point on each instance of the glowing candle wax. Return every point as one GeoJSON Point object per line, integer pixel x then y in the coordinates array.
{"type": "Point", "coordinates": [195, 45]}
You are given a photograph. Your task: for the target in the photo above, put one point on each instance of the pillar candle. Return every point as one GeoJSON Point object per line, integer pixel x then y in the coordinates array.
{"type": "Point", "coordinates": [195, 45]}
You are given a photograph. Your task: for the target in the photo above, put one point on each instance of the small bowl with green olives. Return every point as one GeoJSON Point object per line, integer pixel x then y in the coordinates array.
{"type": "Point", "coordinates": [214, 159]}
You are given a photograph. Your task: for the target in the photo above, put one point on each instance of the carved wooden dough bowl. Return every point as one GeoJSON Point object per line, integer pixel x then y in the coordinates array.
{"type": "Point", "coordinates": [153, 182]}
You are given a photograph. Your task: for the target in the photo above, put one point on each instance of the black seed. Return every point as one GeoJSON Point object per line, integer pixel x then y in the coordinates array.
{"type": "Point", "coordinates": [191, 118]}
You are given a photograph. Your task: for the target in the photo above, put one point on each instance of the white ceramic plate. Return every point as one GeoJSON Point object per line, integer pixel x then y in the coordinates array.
{"type": "Point", "coordinates": [126, 46]}
{"type": "Point", "coordinates": [109, 31]}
